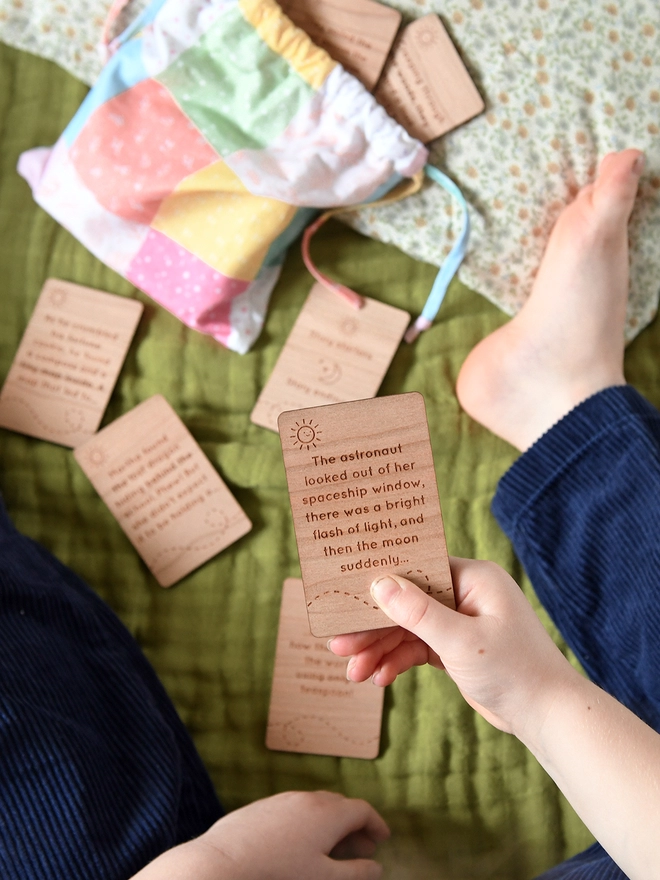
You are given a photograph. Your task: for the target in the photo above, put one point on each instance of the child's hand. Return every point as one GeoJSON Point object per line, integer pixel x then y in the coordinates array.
{"type": "Point", "coordinates": [493, 646]}
{"type": "Point", "coordinates": [304, 835]}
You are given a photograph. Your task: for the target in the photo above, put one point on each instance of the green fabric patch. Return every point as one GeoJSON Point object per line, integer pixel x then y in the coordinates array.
{"type": "Point", "coordinates": [237, 91]}
{"type": "Point", "coordinates": [463, 799]}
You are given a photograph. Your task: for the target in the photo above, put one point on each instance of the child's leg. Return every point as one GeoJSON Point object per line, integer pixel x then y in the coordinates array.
{"type": "Point", "coordinates": [98, 773]}
{"type": "Point", "coordinates": [582, 505]}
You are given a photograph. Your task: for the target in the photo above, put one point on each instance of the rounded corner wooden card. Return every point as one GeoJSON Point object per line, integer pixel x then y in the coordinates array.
{"type": "Point", "coordinates": [314, 708]}
{"type": "Point", "coordinates": [333, 353]}
{"type": "Point", "coordinates": [425, 85]}
{"type": "Point", "coordinates": [67, 363]}
{"type": "Point", "coordinates": [164, 492]}
{"type": "Point", "coordinates": [365, 503]}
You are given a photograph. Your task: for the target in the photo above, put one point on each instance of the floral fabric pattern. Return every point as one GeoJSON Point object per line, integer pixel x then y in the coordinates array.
{"type": "Point", "coordinates": [564, 84]}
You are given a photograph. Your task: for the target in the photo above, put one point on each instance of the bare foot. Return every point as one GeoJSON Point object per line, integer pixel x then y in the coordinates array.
{"type": "Point", "coordinates": [567, 341]}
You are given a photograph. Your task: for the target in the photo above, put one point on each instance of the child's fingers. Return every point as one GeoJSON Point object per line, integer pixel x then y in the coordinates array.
{"type": "Point", "coordinates": [403, 658]}
{"type": "Point", "coordinates": [352, 643]}
{"type": "Point", "coordinates": [415, 610]}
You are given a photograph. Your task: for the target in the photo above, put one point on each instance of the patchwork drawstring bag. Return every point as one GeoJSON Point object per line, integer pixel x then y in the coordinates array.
{"type": "Point", "coordinates": [214, 135]}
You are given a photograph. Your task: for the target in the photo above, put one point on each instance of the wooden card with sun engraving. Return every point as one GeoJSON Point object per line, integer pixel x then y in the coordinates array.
{"type": "Point", "coordinates": [313, 707]}
{"type": "Point", "coordinates": [365, 503]}
{"type": "Point", "coordinates": [68, 361]}
{"type": "Point", "coordinates": [164, 492]}
{"type": "Point", "coordinates": [334, 353]}
{"type": "Point", "coordinates": [425, 86]}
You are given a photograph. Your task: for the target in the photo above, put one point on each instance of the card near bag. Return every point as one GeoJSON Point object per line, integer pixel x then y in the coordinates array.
{"type": "Point", "coordinates": [425, 86]}
{"type": "Point", "coordinates": [334, 353]}
{"type": "Point", "coordinates": [67, 363]}
{"type": "Point", "coordinates": [356, 33]}
{"type": "Point", "coordinates": [313, 707]}
{"type": "Point", "coordinates": [365, 503]}
{"type": "Point", "coordinates": [172, 504]}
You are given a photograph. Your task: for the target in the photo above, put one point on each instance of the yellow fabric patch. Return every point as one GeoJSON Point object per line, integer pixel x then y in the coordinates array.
{"type": "Point", "coordinates": [213, 216]}
{"type": "Point", "coordinates": [280, 34]}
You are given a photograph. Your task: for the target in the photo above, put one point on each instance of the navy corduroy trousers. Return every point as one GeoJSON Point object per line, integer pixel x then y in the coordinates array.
{"type": "Point", "coordinates": [97, 773]}
{"type": "Point", "coordinates": [582, 509]}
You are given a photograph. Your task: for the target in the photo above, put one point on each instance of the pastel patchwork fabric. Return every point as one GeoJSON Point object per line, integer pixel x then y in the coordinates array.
{"type": "Point", "coordinates": [209, 141]}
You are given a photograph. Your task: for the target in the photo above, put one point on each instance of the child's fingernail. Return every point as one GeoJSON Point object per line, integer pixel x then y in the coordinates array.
{"type": "Point", "coordinates": [384, 590]}
{"type": "Point", "coordinates": [350, 668]}
{"type": "Point", "coordinates": [328, 644]}
{"type": "Point", "coordinates": [640, 161]}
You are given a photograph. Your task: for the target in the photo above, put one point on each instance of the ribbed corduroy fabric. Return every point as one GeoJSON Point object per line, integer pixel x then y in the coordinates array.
{"type": "Point", "coordinates": [582, 509]}
{"type": "Point", "coordinates": [97, 773]}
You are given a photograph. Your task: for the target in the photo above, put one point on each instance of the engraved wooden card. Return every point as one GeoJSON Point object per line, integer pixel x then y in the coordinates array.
{"type": "Point", "coordinates": [313, 707]}
{"type": "Point", "coordinates": [365, 503]}
{"type": "Point", "coordinates": [167, 497]}
{"type": "Point", "coordinates": [356, 33]}
{"type": "Point", "coordinates": [425, 85]}
{"type": "Point", "coordinates": [334, 353]}
{"type": "Point", "coordinates": [67, 364]}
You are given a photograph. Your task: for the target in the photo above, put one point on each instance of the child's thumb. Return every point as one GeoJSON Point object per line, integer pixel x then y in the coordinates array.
{"type": "Point", "coordinates": [411, 608]}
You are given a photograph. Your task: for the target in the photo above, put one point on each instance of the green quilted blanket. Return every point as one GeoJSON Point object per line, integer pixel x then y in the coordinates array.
{"type": "Point", "coordinates": [463, 799]}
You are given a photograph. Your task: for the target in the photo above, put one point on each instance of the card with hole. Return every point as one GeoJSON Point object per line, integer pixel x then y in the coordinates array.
{"type": "Point", "coordinates": [313, 707]}
{"type": "Point", "coordinates": [67, 363]}
{"type": "Point", "coordinates": [333, 353]}
{"type": "Point", "coordinates": [365, 503]}
{"type": "Point", "coordinates": [164, 492]}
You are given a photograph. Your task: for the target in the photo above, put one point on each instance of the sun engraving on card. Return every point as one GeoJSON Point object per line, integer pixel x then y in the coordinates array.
{"type": "Point", "coordinates": [95, 457]}
{"type": "Point", "coordinates": [426, 37]}
{"type": "Point", "coordinates": [57, 298]}
{"type": "Point", "coordinates": [305, 434]}
{"type": "Point", "coordinates": [349, 326]}
{"type": "Point", "coordinates": [74, 418]}
{"type": "Point", "coordinates": [216, 519]}
{"type": "Point", "coordinates": [330, 373]}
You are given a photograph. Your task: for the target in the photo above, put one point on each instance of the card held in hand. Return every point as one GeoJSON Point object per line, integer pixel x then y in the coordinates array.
{"type": "Point", "coordinates": [313, 707]}
{"type": "Point", "coordinates": [166, 495]}
{"type": "Point", "coordinates": [365, 504]}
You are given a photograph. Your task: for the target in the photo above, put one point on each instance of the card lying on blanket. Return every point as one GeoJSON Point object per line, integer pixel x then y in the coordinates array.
{"type": "Point", "coordinates": [313, 707]}
{"type": "Point", "coordinates": [365, 503]}
{"type": "Point", "coordinates": [67, 363]}
{"type": "Point", "coordinates": [174, 507]}
{"type": "Point", "coordinates": [209, 142]}
{"type": "Point", "coordinates": [334, 353]}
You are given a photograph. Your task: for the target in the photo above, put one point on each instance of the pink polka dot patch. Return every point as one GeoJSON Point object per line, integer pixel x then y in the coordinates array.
{"type": "Point", "coordinates": [195, 292]}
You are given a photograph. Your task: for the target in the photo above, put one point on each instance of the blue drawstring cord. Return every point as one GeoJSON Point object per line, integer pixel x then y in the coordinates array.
{"type": "Point", "coordinates": [450, 265]}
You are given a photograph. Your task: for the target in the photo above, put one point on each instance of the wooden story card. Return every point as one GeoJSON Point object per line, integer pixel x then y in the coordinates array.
{"type": "Point", "coordinates": [67, 364]}
{"type": "Point", "coordinates": [425, 85]}
{"type": "Point", "coordinates": [365, 503]}
{"type": "Point", "coordinates": [174, 507]}
{"type": "Point", "coordinates": [313, 707]}
{"type": "Point", "coordinates": [334, 353]}
{"type": "Point", "coordinates": [356, 33]}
